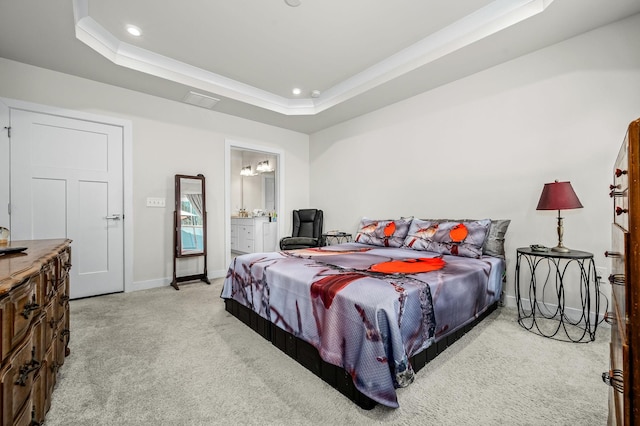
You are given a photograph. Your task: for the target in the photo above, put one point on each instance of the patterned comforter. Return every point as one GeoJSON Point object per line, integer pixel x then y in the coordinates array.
{"type": "Point", "coordinates": [367, 309]}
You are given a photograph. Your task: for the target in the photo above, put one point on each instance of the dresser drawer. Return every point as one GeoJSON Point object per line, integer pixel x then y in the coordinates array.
{"type": "Point", "coordinates": [616, 397]}
{"type": "Point", "coordinates": [246, 232]}
{"type": "Point", "coordinates": [246, 246]}
{"type": "Point", "coordinates": [621, 209]}
{"type": "Point", "coordinates": [50, 372]}
{"type": "Point", "coordinates": [18, 311]}
{"type": "Point", "coordinates": [38, 396]}
{"type": "Point", "coordinates": [50, 323]}
{"type": "Point", "coordinates": [246, 221]}
{"type": "Point", "coordinates": [63, 265]}
{"type": "Point", "coordinates": [49, 280]}
{"type": "Point", "coordinates": [24, 416]}
{"type": "Point", "coordinates": [61, 304]}
{"type": "Point", "coordinates": [60, 344]}
{"type": "Point", "coordinates": [618, 278]}
{"type": "Point", "coordinates": [16, 379]}
{"type": "Point", "coordinates": [620, 187]}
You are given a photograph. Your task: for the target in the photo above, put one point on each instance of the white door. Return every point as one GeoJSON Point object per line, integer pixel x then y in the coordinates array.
{"type": "Point", "coordinates": [4, 165]}
{"type": "Point", "coordinates": [66, 182]}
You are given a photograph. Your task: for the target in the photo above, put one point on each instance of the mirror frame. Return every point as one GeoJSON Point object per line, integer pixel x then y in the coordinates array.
{"type": "Point", "coordinates": [178, 252]}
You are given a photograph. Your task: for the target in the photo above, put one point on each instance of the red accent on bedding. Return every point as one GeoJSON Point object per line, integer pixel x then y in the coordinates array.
{"type": "Point", "coordinates": [327, 287]}
{"type": "Point", "coordinates": [409, 266]}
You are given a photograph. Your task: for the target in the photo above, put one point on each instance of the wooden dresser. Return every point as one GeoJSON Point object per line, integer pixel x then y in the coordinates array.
{"type": "Point", "coordinates": [624, 316]}
{"type": "Point", "coordinates": [34, 306]}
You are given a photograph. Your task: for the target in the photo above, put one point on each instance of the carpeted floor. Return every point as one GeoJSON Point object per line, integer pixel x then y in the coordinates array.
{"type": "Point", "coordinates": [167, 357]}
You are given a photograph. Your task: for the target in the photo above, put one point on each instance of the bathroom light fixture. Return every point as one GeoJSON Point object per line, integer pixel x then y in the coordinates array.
{"type": "Point", "coordinates": [246, 171]}
{"type": "Point", "coordinates": [134, 31]}
{"type": "Point", "coordinates": [296, 91]}
{"type": "Point", "coordinates": [263, 167]}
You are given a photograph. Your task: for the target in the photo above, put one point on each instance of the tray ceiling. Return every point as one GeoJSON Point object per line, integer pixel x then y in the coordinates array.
{"type": "Point", "coordinates": [357, 55]}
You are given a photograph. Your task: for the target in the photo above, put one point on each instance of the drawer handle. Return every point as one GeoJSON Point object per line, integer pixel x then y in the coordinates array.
{"type": "Point", "coordinates": [612, 187]}
{"type": "Point", "coordinates": [620, 172]}
{"type": "Point", "coordinates": [614, 379]}
{"type": "Point", "coordinates": [612, 254]}
{"type": "Point", "coordinates": [620, 210]}
{"type": "Point", "coordinates": [34, 422]}
{"type": "Point", "coordinates": [617, 279]}
{"type": "Point", "coordinates": [610, 318]}
{"type": "Point", "coordinates": [27, 369]}
{"type": "Point", "coordinates": [28, 308]}
{"type": "Point", "coordinates": [616, 194]}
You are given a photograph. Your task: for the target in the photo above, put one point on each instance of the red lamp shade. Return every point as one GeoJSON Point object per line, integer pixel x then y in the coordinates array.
{"type": "Point", "coordinates": [558, 196]}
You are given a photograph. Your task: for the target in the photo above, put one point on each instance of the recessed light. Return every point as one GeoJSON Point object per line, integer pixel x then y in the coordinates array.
{"type": "Point", "coordinates": [292, 3]}
{"type": "Point", "coordinates": [134, 31]}
{"type": "Point", "coordinates": [296, 91]}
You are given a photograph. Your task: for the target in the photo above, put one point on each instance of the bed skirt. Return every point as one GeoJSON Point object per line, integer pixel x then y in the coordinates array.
{"type": "Point", "coordinates": [307, 355]}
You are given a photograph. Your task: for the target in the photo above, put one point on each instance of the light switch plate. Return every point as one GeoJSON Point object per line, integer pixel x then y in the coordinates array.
{"type": "Point", "coordinates": [156, 202]}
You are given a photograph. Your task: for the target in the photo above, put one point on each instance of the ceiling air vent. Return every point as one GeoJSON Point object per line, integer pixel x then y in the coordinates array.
{"type": "Point", "coordinates": [198, 99]}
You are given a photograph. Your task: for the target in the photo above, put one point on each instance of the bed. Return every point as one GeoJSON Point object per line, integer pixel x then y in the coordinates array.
{"type": "Point", "coordinates": [366, 315]}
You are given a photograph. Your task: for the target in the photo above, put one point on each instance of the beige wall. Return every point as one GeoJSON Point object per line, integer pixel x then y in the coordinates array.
{"type": "Point", "coordinates": [168, 138]}
{"type": "Point", "coordinates": [484, 146]}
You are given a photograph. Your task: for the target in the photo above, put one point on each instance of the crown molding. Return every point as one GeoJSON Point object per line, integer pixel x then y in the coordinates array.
{"type": "Point", "coordinates": [480, 24]}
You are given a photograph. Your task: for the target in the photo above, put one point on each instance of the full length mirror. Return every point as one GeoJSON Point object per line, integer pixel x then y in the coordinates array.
{"type": "Point", "coordinates": [190, 224]}
{"type": "Point", "coordinates": [190, 206]}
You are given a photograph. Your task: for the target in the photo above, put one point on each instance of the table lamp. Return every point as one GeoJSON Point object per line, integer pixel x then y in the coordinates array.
{"type": "Point", "coordinates": [558, 196]}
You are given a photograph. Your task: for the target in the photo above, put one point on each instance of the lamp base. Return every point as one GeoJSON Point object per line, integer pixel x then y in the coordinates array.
{"type": "Point", "coordinates": [560, 249]}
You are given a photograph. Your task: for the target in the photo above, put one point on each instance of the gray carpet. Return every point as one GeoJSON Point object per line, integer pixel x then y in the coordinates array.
{"type": "Point", "coordinates": [167, 357]}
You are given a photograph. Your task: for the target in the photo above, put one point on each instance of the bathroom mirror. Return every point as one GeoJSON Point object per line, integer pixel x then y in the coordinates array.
{"type": "Point", "coordinates": [190, 223]}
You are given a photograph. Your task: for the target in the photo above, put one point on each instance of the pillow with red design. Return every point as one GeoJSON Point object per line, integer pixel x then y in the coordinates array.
{"type": "Point", "coordinates": [386, 233]}
{"type": "Point", "coordinates": [464, 238]}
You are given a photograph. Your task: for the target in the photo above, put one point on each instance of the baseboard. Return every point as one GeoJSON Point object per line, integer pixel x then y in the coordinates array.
{"type": "Point", "coordinates": [510, 302]}
{"type": "Point", "coordinates": [149, 284]}
{"type": "Point", "coordinates": [164, 282]}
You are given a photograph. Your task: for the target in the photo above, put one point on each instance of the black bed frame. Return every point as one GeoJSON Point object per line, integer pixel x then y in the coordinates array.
{"type": "Point", "coordinates": [307, 355]}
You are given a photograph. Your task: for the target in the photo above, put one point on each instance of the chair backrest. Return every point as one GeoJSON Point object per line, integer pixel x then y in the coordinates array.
{"type": "Point", "coordinates": [307, 223]}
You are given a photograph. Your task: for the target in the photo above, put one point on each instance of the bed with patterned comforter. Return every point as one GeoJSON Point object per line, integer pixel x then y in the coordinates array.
{"type": "Point", "coordinates": [370, 308]}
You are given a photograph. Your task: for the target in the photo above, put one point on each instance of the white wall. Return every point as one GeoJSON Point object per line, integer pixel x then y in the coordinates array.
{"type": "Point", "coordinates": [168, 138]}
{"type": "Point", "coordinates": [484, 146]}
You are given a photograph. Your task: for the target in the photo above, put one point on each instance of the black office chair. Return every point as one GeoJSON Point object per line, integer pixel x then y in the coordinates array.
{"type": "Point", "coordinates": [307, 230]}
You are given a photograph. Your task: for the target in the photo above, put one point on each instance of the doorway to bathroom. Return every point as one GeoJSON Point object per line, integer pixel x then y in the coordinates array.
{"type": "Point", "coordinates": [254, 199]}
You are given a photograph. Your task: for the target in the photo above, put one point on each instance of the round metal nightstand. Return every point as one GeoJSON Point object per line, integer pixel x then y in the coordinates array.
{"type": "Point", "coordinates": [541, 306]}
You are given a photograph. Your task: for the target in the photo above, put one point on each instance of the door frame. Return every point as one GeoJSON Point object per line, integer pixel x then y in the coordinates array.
{"type": "Point", "coordinates": [127, 168]}
{"type": "Point", "coordinates": [279, 176]}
